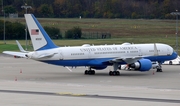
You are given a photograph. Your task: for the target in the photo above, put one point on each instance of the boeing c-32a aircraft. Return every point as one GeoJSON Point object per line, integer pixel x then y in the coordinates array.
{"type": "Point", "coordinates": [137, 56]}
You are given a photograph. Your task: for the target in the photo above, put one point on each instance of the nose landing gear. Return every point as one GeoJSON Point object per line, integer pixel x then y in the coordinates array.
{"type": "Point", "coordinates": [159, 69]}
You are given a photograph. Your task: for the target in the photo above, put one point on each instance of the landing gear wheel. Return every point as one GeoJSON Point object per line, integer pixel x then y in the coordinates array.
{"type": "Point", "coordinates": [89, 72]}
{"type": "Point", "coordinates": [86, 72]}
{"type": "Point", "coordinates": [117, 73]}
{"type": "Point", "coordinates": [159, 70]}
{"type": "Point", "coordinates": [110, 73]}
{"type": "Point", "coordinates": [170, 62]}
{"type": "Point", "coordinates": [92, 72]}
{"type": "Point", "coordinates": [114, 73]}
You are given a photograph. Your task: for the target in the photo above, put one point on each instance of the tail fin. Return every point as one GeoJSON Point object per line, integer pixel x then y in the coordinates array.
{"type": "Point", "coordinates": [39, 37]}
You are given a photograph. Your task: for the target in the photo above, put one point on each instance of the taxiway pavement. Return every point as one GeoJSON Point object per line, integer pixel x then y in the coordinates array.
{"type": "Point", "coordinates": [28, 82]}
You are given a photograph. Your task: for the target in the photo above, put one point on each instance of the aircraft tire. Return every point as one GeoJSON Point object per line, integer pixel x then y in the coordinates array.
{"type": "Point", "coordinates": [86, 72]}
{"type": "Point", "coordinates": [89, 72]}
{"type": "Point", "coordinates": [170, 62]}
{"type": "Point", "coordinates": [117, 73]}
{"type": "Point", "coordinates": [159, 70]}
{"type": "Point", "coordinates": [92, 72]}
{"type": "Point", "coordinates": [110, 73]}
{"type": "Point", "coordinates": [114, 73]}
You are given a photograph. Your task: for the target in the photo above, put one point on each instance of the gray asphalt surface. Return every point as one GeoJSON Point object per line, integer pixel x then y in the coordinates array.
{"type": "Point", "coordinates": [28, 82]}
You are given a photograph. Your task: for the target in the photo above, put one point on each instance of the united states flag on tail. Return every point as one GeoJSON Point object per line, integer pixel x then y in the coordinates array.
{"type": "Point", "coordinates": [34, 31]}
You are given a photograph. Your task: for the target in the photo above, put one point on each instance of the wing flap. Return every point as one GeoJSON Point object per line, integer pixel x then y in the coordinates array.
{"type": "Point", "coordinates": [127, 60]}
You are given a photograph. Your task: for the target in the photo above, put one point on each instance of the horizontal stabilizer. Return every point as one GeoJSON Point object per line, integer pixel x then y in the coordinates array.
{"type": "Point", "coordinates": [20, 47]}
{"type": "Point", "coordinates": [20, 54]}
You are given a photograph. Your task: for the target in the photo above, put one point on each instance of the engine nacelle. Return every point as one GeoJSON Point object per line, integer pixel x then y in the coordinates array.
{"type": "Point", "coordinates": [142, 65]}
{"type": "Point", "coordinates": [98, 67]}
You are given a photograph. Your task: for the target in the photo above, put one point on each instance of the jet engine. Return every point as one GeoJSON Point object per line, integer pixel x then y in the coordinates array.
{"type": "Point", "coordinates": [142, 65]}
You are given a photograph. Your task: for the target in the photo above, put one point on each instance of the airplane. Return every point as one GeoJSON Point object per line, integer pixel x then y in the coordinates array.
{"type": "Point", "coordinates": [139, 57]}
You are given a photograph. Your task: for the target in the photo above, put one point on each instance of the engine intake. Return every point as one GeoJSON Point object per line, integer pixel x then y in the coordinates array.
{"type": "Point", "coordinates": [142, 65]}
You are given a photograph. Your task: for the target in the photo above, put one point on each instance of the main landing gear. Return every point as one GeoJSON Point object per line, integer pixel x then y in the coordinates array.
{"type": "Point", "coordinates": [89, 71]}
{"type": "Point", "coordinates": [111, 73]}
{"type": "Point", "coordinates": [115, 72]}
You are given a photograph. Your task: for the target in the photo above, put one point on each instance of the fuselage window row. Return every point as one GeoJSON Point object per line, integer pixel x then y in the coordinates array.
{"type": "Point", "coordinates": [153, 50]}
{"type": "Point", "coordinates": [77, 53]}
{"type": "Point", "coordinates": [109, 52]}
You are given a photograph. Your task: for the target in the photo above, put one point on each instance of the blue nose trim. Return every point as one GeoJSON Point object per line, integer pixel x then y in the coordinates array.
{"type": "Point", "coordinates": [174, 54]}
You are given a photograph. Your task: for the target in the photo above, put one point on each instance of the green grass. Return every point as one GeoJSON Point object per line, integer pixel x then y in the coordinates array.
{"type": "Point", "coordinates": [11, 44]}
{"type": "Point", "coordinates": [122, 30]}
{"type": "Point", "coordinates": [7, 47]}
{"type": "Point", "coordinates": [117, 27]}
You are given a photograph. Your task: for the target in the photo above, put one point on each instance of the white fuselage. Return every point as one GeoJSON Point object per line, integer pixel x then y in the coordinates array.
{"type": "Point", "coordinates": [104, 51]}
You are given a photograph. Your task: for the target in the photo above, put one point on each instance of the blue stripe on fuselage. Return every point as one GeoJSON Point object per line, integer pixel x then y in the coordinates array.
{"type": "Point", "coordinates": [80, 62]}
{"type": "Point", "coordinates": [50, 43]}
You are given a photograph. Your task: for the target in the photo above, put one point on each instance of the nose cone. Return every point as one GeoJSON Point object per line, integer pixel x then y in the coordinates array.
{"type": "Point", "coordinates": [175, 54]}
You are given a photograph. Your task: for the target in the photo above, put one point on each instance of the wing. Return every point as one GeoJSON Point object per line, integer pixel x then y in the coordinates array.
{"type": "Point", "coordinates": [133, 59]}
{"type": "Point", "coordinates": [20, 54]}
{"type": "Point", "coordinates": [127, 60]}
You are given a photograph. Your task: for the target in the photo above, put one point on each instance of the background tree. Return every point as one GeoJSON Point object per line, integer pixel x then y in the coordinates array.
{"type": "Point", "coordinates": [1, 29]}
{"type": "Point", "coordinates": [97, 8]}
{"type": "Point", "coordinates": [45, 10]}
{"type": "Point", "coordinates": [53, 32]}
{"type": "Point", "coordinates": [15, 30]}
{"type": "Point", "coordinates": [74, 33]}
{"type": "Point", "coordinates": [9, 9]}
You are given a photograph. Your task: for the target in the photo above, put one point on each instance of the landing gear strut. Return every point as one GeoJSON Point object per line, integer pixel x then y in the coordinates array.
{"type": "Point", "coordinates": [115, 72]}
{"type": "Point", "coordinates": [89, 71]}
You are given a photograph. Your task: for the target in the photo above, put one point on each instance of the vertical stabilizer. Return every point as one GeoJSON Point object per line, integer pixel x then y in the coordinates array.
{"type": "Point", "coordinates": [39, 37]}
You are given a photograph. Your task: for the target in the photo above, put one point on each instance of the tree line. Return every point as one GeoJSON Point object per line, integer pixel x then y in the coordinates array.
{"type": "Point", "coordinates": [131, 9]}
